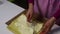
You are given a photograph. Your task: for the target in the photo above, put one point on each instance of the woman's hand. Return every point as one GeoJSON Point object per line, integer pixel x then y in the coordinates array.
{"type": "Point", "coordinates": [29, 14]}
{"type": "Point", "coordinates": [47, 26]}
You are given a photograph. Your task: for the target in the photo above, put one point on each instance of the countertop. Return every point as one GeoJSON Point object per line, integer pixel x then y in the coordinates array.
{"type": "Point", "coordinates": [8, 10]}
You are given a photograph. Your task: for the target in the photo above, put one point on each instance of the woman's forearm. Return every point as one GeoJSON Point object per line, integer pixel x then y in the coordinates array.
{"type": "Point", "coordinates": [47, 26]}
{"type": "Point", "coordinates": [30, 11]}
{"type": "Point", "coordinates": [52, 19]}
{"type": "Point", "coordinates": [31, 3]}
{"type": "Point", "coordinates": [30, 6]}
{"type": "Point", "coordinates": [55, 17]}
{"type": "Point", "coordinates": [50, 22]}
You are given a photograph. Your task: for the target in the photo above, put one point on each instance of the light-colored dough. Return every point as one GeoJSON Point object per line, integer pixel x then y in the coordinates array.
{"type": "Point", "coordinates": [21, 26]}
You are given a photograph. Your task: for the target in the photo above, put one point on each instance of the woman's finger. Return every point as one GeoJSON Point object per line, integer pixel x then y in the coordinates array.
{"type": "Point", "coordinates": [30, 17]}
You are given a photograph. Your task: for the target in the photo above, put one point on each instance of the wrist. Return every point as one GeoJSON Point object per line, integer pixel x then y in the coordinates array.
{"type": "Point", "coordinates": [31, 6]}
{"type": "Point", "coordinates": [53, 19]}
{"type": "Point", "coordinates": [51, 22]}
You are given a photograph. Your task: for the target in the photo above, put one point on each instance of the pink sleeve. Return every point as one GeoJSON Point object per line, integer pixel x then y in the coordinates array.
{"type": "Point", "coordinates": [31, 1]}
{"type": "Point", "coordinates": [57, 14]}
